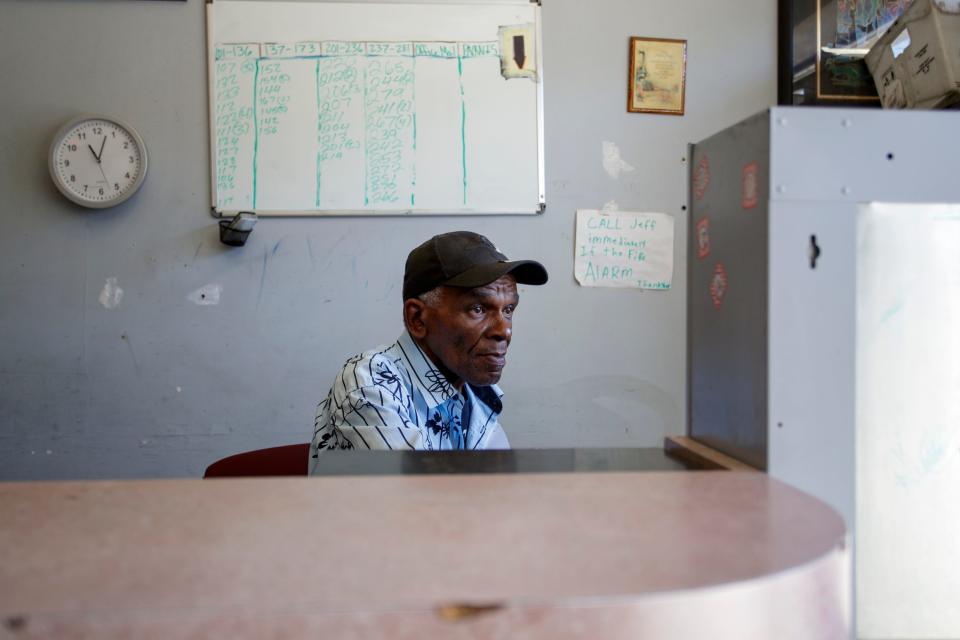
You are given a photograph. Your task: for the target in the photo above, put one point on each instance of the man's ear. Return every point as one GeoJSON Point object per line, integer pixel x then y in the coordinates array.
{"type": "Point", "coordinates": [414, 317]}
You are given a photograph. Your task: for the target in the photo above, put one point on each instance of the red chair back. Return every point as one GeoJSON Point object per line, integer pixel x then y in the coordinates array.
{"type": "Point", "coordinates": [288, 460]}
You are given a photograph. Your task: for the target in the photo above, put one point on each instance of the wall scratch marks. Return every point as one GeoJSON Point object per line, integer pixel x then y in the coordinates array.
{"type": "Point", "coordinates": [333, 248]}
{"type": "Point", "coordinates": [263, 276]}
{"type": "Point", "coordinates": [197, 252]}
{"type": "Point", "coordinates": [339, 240]}
{"type": "Point", "coordinates": [310, 252]}
{"type": "Point", "coordinates": [389, 290]}
{"type": "Point", "coordinates": [133, 355]}
{"type": "Point", "coordinates": [275, 247]}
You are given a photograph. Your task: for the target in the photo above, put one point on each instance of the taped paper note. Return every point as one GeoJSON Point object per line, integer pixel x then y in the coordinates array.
{"type": "Point", "coordinates": [624, 249]}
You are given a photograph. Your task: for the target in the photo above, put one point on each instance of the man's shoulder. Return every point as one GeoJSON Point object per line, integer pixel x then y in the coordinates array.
{"type": "Point", "coordinates": [378, 366]}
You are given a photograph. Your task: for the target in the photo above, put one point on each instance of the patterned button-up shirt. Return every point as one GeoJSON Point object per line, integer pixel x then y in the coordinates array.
{"type": "Point", "coordinates": [395, 398]}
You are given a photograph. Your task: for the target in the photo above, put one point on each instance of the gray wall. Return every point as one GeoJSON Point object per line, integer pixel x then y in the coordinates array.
{"type": "Point", "coordinates": [160, 386]}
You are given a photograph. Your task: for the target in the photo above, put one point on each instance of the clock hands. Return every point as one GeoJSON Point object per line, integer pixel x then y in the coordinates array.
{"type": "Point", "coordinates": [96, 155]}
{"type": "Point", "coordinates": [103, 173]}
{"type": "Point", "coordinates": [100, 164]}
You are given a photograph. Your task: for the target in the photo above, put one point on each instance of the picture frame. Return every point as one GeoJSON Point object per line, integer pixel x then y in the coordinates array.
{"type": "Point", "coordinates": [821, 46]}
{"type": "Point", "coordinates": [657, 76]}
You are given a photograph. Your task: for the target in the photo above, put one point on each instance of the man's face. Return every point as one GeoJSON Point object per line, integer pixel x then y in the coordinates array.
{"type": "Point", "coordinates": [468, 331]}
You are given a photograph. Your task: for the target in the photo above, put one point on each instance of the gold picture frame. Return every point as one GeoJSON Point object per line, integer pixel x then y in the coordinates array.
{"type": "Point", "coordinates": [658, 76]}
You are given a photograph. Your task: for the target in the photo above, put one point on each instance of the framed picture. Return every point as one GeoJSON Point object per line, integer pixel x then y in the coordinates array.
{"type": "Point", "coordinates": [822, 44]}
{"type": "Point", "coordinates": [658, 76]}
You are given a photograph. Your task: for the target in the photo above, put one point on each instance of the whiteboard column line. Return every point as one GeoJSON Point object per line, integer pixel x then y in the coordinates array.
{"type": "Point", "coordinates": [256, 131]}
{"type": "Point", "coordinates": [317, 132]}
{"type": "Point", "coordinates": [463, 125]}
{"type": "Point", "coordinates": [413, 178]}
{"type": "Point", "coordinates": [366, 140]}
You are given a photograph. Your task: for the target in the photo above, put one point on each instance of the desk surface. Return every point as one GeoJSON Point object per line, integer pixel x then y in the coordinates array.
{"type": "Point", "coordinates": [346, 463]}
{"type": "Point", "coordinates": [611, 555]}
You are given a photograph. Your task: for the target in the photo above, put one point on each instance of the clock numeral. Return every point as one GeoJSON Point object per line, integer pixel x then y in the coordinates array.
{"type": "Point", "coordinates": [98, 131]}
{"type": "Point", "coordinates": [73, 178]}
{"type": "Point", "coordinates": [100, 190]}
{"type": "Point", "coordinates": [66, 163]}
{"type": "Point", "coordinates": [113, 134]}
{"type": "Point", "coordinates": [126, 145]}
{"type": "Point", "coordinates": [71, 147]}
{"type": "Point", "coordinates": [116, 186]}
{"type": "Point", "coordinates": [127, 175]}
{"type": "Point", "coordinates": [82, 135]}
{"type": "Point", "coordinates": [131, 159]}
{"type": "Point", "coordinates": [85, 188]}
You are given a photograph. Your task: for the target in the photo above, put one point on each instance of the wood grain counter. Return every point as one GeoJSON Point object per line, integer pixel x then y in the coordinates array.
{"type": "Point", "coordinates": [565, 555]}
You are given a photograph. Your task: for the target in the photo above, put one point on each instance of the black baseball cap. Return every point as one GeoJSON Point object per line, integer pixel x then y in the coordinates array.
{"type": "Point", "coordinates": [463, 259]}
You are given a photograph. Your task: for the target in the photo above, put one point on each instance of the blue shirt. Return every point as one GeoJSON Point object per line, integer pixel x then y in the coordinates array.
{"type": "Point", "coordinates": [395, 398]}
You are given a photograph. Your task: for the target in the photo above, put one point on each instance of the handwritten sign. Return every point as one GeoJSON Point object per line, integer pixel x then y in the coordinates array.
{"type": "Point", "coordinates": [624, 249]}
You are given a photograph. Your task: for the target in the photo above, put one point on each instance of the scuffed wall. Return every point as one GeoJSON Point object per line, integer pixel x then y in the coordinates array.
{"type": "Point", "coordinates": [134, 344]}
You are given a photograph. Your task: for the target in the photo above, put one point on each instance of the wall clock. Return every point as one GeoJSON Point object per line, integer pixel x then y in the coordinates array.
{"type": "Point", "coordinates": [98, 161]}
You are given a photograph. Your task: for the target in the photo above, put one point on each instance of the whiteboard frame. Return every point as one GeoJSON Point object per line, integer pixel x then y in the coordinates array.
{"type": "Point", "coordinates": [538, 209]}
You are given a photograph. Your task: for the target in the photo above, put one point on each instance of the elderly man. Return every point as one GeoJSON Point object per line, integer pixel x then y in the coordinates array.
{"type": "Point", "coordinates": [435, 387]}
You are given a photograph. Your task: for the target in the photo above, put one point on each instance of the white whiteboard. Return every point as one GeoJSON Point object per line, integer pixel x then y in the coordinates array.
{"type": "Point", "coordinates": [364, 108]}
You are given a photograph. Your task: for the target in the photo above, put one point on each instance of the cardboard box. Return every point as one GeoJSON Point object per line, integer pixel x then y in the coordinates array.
{"type": "Point", "coordinates": [916, 63]}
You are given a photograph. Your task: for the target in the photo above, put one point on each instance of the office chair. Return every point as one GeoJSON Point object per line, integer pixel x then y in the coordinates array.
{"type": "Point", "coordinates": [288, 460]}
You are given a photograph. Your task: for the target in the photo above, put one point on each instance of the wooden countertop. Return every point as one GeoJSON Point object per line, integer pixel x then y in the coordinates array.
{"type": "Point", "coordinates": [472, 556]}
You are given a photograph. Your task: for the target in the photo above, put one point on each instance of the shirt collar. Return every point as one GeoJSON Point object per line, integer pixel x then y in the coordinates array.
{"type": "Point", "coordinates": [430, 381]}
{"type": "Point", "coordinates": [433, 385]}
{"type": "Point", "coordinates": [489, 395]}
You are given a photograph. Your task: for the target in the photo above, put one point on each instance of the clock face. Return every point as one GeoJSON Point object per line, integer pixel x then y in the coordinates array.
{"type": "Point", "coordinates": [98, 162]}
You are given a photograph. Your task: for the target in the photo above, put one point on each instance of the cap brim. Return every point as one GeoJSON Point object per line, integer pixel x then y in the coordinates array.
{"type": "Point", "coordinates": [525, 271]}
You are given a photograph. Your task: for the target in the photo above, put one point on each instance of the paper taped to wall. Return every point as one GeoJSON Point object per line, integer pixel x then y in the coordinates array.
{"type": "Point", "coordinates": [624, 249]}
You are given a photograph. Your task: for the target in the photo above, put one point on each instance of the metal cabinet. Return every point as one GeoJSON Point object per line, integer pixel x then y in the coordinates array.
{"type": "Point", "coordinates": [823, 315]}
